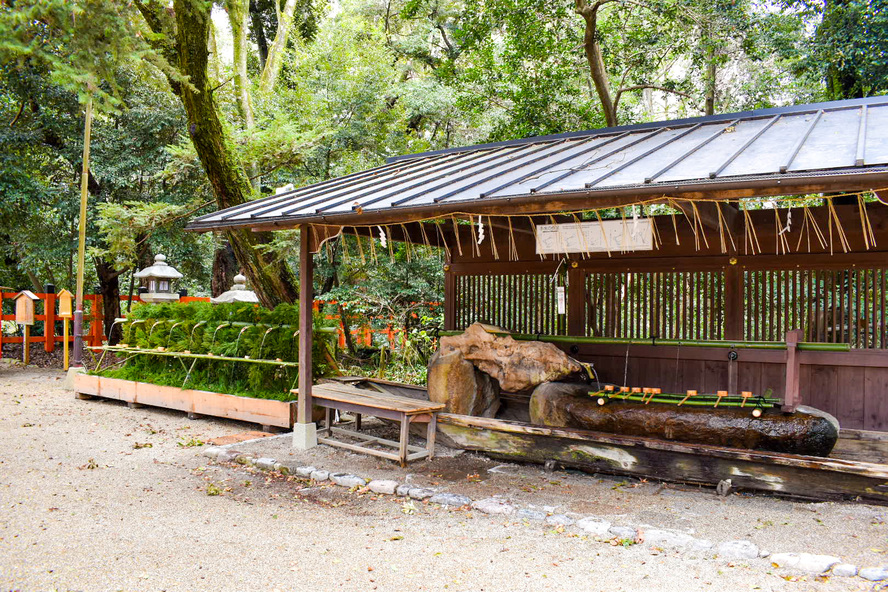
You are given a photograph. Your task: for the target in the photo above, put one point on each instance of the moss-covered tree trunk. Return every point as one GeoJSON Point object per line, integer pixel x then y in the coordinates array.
{"type": "Point", "coordinates": [188, 31]}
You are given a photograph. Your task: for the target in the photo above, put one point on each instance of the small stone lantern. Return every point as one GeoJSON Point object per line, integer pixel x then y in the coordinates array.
{"type": "Point", "coordinates": [237, 293]}
{"type": "Point", "coordinates": [159, 280]}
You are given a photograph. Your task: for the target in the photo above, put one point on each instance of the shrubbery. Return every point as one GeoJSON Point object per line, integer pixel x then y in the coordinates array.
{"type": "Point", "coordinates": [200, 328]}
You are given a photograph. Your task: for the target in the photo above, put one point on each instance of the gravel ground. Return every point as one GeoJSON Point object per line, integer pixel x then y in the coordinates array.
{"type": "Point", "coordinates": [86, 505]}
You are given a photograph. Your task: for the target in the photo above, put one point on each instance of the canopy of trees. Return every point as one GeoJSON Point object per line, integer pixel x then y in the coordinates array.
{"type": "Point", "coordinates": [209, 104]}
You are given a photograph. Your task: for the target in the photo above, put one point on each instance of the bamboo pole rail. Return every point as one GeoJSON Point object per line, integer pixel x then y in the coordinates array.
{"type": "Point", "coordinates": [580, 340]}
{"type": "Point", "coordinates": [177, 354]}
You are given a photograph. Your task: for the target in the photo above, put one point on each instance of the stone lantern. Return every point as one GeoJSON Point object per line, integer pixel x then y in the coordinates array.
{"type": "Point", "coordinates": [237, 293]}
{"type": "Point", "coordinates": [158, 279]}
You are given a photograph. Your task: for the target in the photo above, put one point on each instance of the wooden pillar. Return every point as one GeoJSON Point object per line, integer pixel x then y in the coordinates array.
{"type": "Point", "coordinates": [733, 303]}
{"type": "Point", "coordinates": [792, 397]}
{"type": "Point", "coordinates": [449, 298]}
{"type": "Point", "coordinates": [304, 431]}
{"type": "Point", "coordinates": [576, 301]}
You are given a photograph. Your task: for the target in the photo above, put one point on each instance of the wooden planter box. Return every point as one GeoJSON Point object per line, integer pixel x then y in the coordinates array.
{"type": "Point", "coordinates": [265, 412]}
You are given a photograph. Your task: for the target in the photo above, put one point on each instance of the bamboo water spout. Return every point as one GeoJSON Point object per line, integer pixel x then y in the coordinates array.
{"type": "Point", "coordinates": [173, 328]}
{"type": "Point", "coordinates": [111, 330]}
{"type": "Point", "coordinates": [222, 326]}
{"type": "Point", "coordinates": [237, 349]}
{"type": "Point", "coordinates": [193, 329]}
{"type": "Point", "coordinates": [262, 343]}
{"type": "Point", "coordinates": [237, 341]}
{"type": "Point", "coordinates": [154, 325]}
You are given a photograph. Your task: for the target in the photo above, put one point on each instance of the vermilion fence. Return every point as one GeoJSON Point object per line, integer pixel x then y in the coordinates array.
{"type": "Point", "coordinates": [46, 312]}
{"type": "Point", "coordinates": [93, 322]}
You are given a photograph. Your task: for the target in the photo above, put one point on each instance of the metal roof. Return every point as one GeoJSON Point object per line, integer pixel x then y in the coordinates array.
{"type": "Point", "coordinates": [805, 146]}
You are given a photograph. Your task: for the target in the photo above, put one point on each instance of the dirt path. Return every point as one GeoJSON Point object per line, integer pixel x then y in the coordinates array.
{"type": "Point", "coordinates": [97, 496]}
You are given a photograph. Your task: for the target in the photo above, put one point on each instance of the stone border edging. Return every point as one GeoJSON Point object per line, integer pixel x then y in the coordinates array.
{"type": "Point", "coordinates": [599, 528]}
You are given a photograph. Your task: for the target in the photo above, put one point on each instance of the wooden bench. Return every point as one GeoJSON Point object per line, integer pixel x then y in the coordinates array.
{"type": "Point", "coordinates": [360, 402]}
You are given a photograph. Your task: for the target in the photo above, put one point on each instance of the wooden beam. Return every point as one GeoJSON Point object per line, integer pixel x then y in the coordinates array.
{"type": "Point", "coordinates": [321, 233]}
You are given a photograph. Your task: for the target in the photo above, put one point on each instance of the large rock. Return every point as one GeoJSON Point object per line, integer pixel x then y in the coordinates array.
{"type": "Point", "coordinates": [807, 431]}
{"type": "Point", "coordinates": [460, 386]}
{"type": "Point", "coordinates": [516, 365]}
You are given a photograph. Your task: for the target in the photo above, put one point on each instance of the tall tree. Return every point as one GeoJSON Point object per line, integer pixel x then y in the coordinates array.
{"type": "Point", "coordinates": [655, 36]}
{"type": "Point", "coordinates": [182, 37]}
{"type": "Point", "coordinates": [849, 48]}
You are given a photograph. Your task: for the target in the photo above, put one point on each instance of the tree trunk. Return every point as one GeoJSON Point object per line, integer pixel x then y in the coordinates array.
{"type": "Point", "coordinates": [259, 33]}
{"type": "Point", "coordinates": [224, 270]}
{"type": "Point", "coordinates": [215, 61]}
{"type": "Point", "coordinates": [710, 83]}
{"type": "Point", "coordinates": [271, 279]}
{"type": "Point", "coordinates": [276, 51]}
{"type": "Point", "coordinates": [237, 16]}
{"type": "Point", "coordinates": [109, 288]}
{"type": "Point", "coordinates": [596, 61]}
{"type": "Point", "coordinates": [35, 281]}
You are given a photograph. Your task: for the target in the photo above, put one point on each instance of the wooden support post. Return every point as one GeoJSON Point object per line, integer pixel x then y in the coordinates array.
{"type": "Point", "coordinates": [405, 439]}
{"type": "Point", "coordinates": [733, 303]}
{"type": "Point", "coordinates": [576, 301]}
{"type": "Point", "coordinates": [304, 431]}
{"type": "Point", "coordinates": [65, 342]}
{"type": "Point", "coordinates": [792, 397]}
{"type": "Point", "coordinates": [449, 298]}
{"type": "Point", "coordinates": [26, 350]}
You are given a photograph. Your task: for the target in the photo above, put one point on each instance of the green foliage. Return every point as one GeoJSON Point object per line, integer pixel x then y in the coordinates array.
{"type": "Point", "coordinates": [231, 330]}
{"type": "Point", "coordinates": [848, 51]}
{"type": "Point", "coordinates": [80, 43]}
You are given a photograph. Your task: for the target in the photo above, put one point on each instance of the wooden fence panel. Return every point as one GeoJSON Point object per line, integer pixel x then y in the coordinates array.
{"type": "Point", "coordinates": [523, 303]}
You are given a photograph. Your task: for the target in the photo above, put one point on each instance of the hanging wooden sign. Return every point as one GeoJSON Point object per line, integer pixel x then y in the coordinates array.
{"type": "Point", "coordinates": [595, 237]}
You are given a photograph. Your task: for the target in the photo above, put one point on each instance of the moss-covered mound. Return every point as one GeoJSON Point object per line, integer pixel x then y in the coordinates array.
{"type": "Point", "coordinates": [229, 330]}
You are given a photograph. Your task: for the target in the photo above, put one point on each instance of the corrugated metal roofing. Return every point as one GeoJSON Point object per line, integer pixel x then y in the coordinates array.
{"type": "Point", "coordinates": [835, 139]}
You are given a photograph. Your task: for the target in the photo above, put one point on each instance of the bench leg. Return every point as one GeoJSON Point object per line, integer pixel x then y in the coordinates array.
{"type": "Point", "coordinates": [357, 422]}
{"type": "Point", "coordinates": [328, 420]}
{"type": "Point", "coordinates": [430, 436]}
{"type": "Point", "coordinates": [405, 436]}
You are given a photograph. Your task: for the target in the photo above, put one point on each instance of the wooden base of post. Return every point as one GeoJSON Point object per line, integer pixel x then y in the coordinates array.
{"type": "Point", "coordinates": [65, 342]}
{"type": "Point", "coordinates": [26, 349]}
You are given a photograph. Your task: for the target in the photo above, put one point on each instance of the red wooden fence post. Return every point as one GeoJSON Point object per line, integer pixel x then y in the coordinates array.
{"type": "Point", "coordinates": [49, 305]}
{"type": "Point", "coordinates": [96, 333]}
{"type": "Point", "coordinates": [1, 323]}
